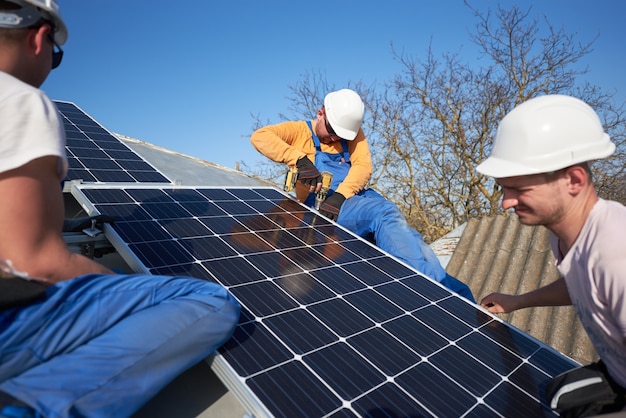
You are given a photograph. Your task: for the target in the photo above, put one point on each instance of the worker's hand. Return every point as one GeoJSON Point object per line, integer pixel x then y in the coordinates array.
{"type": "Point", "coordinates": [331, 206]}
{"type": "Point", "coordinates": [309, 175]}
{"type": "Point", "coordinates": [500, 303]}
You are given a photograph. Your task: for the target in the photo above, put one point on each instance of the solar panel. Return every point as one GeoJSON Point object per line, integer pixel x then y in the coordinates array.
{"type": "Point", "coordinates": [331, 326]}
{"type": "Point", "coordinates": [96, 156]}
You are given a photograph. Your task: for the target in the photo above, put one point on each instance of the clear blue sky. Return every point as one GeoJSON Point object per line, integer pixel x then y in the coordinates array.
{"type": "Point", "coordinates": [187, 76]}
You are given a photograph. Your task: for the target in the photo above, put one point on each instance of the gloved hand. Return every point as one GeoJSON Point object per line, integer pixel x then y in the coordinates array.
{"type": "Point", "coordinates": [331, 206]}
{"type": "Point", "coordinates": [308, 173]}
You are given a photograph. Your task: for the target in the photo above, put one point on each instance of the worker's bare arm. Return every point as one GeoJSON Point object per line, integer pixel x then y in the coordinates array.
{"type": "Point", "coordinates": [554, 294]}
{"type": "Point", "coordinates": [31, 219]}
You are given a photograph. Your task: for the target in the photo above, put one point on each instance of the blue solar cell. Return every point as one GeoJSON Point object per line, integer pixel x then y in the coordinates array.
{"type": "Point", "coordinates": [106, 196]}
{"type": "Point", "coordinates": [451, 327]}
{"type": "Point", "coordinates": [338, 279]}
{"type": "Point", "coordinates": [253, 349]}
{"type": "Point", "coordinates": [143, 232]}
{"type": "Point", "coordinates": [415, 334]}
{"type": "Point", "coordinates": [375, 306]}
{"type": "Point", "coordinates": [344, 370]}
{"type": "Point", "coordinates": [233, 271]}
{"type": "Point", "coordinates": [292, 390]}
{"type": "Point", "coordinates": [462, 368]}
{"type": "Point", "coordinates": [439, 394]}
{"type": "Point", "coordinates": [389, 401]}
{"type": "Point", "coordinates": [274, 264]}
{"type": "Point", "coordinates": [207, 248]}
{"type": "Point", "coordinates": [499, 358]}
{"type": "Point", "coordinates": [387, 353]}
{"type": "Point", "coordinates": [246, 243]}
{"type": "Point", "coordinates": [264, 298]}
{"type": "Point", "coordinates": [304, 288]}
{"type": "Point", "coordinates": [183, 228]}
{"type": "Point", "coordinates": [302, 332]}
{"type": "Point", "coordinates": [507, 400]}
{"type": "Point", "coordinates": [256, 223]}
{"type": "Point", "coordinates": [402, 296]}
{"type": "Point", "coordinates": [341, 317]}
{"type": "Point", "coordinates": [161, 254]}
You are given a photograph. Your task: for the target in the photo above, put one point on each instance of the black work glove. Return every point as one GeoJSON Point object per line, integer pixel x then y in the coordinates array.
{"type": "Point", "coordinates": [331, 206]}
{"type": "Point", "coordinates": [307, 172]}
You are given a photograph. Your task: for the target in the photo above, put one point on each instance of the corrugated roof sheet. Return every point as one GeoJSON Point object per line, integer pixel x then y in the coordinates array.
{"type": "Point", "coordinates": [499, 254]}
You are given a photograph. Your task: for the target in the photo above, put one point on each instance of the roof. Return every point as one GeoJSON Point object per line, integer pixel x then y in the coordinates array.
{"type": "Point", "coordinates": [499, 254]}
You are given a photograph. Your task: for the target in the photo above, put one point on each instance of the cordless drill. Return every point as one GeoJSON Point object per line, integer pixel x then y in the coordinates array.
{"type": "Point", "coordinates": [290, 179]}
{"type": "Point", "coordinates": [327, 179]}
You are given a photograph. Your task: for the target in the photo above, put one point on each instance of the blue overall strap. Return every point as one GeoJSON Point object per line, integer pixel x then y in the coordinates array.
{"type": "Point", "coordinates": [318, 148]}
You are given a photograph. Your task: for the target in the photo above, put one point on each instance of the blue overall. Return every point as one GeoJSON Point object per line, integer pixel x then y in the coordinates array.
{"type": "Point", "coordinates": [374, 218]}
{"type": "Point", "coordinates": [103, 345]}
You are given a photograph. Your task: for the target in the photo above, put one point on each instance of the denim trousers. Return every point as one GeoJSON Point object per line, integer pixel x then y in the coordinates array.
{"type": "Point", "coordinates": [371, 216]}
{"type": "Point", "coordinates": [103, 345]}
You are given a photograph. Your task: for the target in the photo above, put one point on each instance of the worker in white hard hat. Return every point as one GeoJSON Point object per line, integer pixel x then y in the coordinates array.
{"type": "Point", "coordinates": [334, 142]}
{"type": "Point", "coordinates": [76, 339]}
{"type": "Point", "coordinates": [540, 159]}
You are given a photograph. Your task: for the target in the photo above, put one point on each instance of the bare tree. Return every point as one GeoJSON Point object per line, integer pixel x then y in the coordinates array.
{"type": "Point", "coordinates": [434, 122]}
{"type": "Point", "coordinates": [442, 115]}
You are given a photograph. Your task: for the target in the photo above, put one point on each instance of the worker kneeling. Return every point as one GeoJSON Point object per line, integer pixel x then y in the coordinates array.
{"type": "Point", "coordinates": [334, 142]}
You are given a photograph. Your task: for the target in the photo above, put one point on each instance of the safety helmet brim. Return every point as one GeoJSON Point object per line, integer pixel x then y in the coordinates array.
{"type": "Point", "coordinates": [502, 168]}
{"type": "Point", "coordinates": [499, 168]}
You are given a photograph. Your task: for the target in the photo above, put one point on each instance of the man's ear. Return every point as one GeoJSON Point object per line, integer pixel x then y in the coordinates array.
{"type": "Point", "coordinates": [37, 37]}
{"type": "Point", "coordinates": [577, 178]}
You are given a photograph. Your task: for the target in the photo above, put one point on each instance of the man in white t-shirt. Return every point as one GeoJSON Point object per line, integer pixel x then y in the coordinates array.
{"type": "Point", "coordinates": [75, 338]}
{"type": "Point", "coordinates": [541, 158]}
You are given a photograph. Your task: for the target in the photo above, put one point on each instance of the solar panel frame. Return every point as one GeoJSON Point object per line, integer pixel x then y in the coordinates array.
{"type": "Point", "coordinates": [409, 340]}
{"type": "Point", "coordinates": [95, 155]}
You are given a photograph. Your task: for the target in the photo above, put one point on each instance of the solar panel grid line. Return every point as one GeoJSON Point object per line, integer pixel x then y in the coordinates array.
{"type": "Point", "coordinates": [96, 155]}
{"type": "Point", "coordinates": [315, 334]}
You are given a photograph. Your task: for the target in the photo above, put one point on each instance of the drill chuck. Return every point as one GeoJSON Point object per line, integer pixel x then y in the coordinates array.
{"type": "Point", "coordinates": [320, 196]}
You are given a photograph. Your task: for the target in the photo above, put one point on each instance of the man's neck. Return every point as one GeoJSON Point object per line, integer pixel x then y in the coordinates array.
{"type": "Point", "coordinates": [568, 229]}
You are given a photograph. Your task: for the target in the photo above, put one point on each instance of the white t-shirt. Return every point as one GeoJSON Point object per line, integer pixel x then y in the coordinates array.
{"type": "Point", "coordinates": [595, 273]}
{"type": "Point", "coordinates": [30, 126]}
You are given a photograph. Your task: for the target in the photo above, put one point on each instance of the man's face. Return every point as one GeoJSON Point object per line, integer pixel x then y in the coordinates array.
{"type": "Point", "coordinates": [323, 129]}
{"type": "Point", "coordinates": [537, 199]}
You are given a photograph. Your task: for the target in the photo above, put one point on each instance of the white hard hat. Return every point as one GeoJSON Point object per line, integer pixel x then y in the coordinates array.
{"type": "Point", "coordinates": [546, 134]}
{"type": "Point", "coordinates": [344, 110]}
{"type": "Point", "coordinates": [29, 12]}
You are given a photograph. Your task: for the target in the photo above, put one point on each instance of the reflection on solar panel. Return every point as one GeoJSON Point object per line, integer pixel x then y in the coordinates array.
{"type": "Point", "coordinates": [95, 155]}
{"type": "Point", "coordinates": [331, 326]}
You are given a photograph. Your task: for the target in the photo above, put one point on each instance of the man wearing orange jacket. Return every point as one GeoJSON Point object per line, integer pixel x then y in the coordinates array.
{"type": "Point", "coordinates": [335, 142]}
